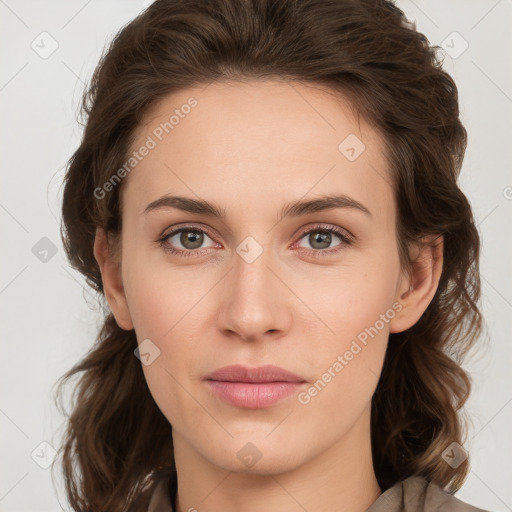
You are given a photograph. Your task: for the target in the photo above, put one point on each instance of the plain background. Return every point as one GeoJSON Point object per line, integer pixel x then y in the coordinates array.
{"type": "Point", "coordinates": [49, 320]}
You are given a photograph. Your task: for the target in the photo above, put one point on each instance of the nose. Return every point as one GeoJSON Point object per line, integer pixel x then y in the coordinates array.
{"type": "Point", "coordinates": [255, 299]}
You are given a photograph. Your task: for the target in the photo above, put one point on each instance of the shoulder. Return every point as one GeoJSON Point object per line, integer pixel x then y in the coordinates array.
{"type": "Point", "coordinates": [416, 494]}
{"type": "Point", "coordinates": [163, 490]}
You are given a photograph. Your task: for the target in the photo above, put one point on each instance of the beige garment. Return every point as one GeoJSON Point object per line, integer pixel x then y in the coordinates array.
{"type": "Point", "coordinates": [414, 494]}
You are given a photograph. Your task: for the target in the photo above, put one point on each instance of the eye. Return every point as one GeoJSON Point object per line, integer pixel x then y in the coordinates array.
{"type": "Point", "coordinates": [190, 238]}
{"type": "Point", "coordinates": [321, 237]}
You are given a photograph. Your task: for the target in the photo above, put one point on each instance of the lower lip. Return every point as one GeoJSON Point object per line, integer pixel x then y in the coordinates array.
{"type": "Point", "coordinates": [253, 395]}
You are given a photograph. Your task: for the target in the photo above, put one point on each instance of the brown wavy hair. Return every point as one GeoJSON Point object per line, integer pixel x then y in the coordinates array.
{"type": "Point", "coordinates": [117, 441]}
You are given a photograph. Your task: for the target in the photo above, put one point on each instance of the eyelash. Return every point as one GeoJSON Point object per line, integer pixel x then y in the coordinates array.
{"type": "Point", "coordinates": [345, 238]}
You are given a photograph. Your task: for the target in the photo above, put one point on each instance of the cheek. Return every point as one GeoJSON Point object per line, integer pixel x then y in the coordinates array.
{"type": "Point", "coordinates": [351, 299]}
{"type": "Point", "coordinates": [352, 319]}
{"type": "Point", "coordinates": [348, 363]}
{"type": "Point", "coordinates": [167, 309]}
{"type": "Point", "coordinates": [157, 296]}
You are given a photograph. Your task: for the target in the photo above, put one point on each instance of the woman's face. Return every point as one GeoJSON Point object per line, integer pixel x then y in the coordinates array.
{"type": "Point", "coordinates": [253, 287]}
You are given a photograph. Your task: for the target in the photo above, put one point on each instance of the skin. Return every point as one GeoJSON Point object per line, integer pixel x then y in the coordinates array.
{"type": "Point", "coordinates": [251, 147]}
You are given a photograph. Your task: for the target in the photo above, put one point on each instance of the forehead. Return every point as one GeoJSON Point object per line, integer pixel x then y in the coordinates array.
{"type": "Point", "coordinates": [258, 143]}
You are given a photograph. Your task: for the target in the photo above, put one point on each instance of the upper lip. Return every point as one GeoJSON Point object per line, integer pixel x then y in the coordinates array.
{"type": "Point", "coordinates": [267, 373]}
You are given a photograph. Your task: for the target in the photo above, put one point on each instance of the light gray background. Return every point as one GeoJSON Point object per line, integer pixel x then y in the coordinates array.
{"type": "Point", "coordinates": [47, 324]}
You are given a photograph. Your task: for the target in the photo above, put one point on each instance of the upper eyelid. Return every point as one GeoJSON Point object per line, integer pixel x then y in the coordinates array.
{"type": "Point", "coordinates": [189, 227]}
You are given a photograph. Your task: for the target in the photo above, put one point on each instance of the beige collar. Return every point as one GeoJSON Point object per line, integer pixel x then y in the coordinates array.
{"type": "Point", "coordinates": [414, 494]}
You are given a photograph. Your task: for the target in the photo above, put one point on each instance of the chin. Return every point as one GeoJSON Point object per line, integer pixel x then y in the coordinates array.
{"type": "Point", "coordinates": [256, 454]}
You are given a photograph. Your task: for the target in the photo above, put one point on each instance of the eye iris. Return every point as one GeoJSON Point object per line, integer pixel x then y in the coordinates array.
{"type": "Point", "coordinates": [322, 238]}
{"type": "Point", "coordinates": [191, 236]}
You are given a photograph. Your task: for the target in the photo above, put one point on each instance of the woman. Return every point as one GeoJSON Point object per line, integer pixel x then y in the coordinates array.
{"type": "Point", "coordinates": [266, 197]}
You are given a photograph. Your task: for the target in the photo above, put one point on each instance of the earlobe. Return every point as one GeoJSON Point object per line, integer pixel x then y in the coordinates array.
{"type": "Point", "coordinates": [417, 288]}
{"type": "Point", "coordinates": [112, 282]}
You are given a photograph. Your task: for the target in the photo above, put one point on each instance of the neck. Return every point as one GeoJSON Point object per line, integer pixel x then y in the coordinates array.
{"type": "Point", "coordinates": [339, 478]}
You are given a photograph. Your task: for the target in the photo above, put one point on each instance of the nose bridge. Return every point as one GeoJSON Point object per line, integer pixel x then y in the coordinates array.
{"type": "Point", "coordinates": [251, 268]}
{"type": "Point", "coordinates": [252, 305]}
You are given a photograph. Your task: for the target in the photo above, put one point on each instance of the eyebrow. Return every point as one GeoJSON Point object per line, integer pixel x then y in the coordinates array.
{"type": "Point", "coordinates": [293, 209]}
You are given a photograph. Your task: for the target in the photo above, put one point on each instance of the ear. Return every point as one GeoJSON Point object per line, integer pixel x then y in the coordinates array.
{"type": "Point", "coordinates": [416, 291]}
{"type": "Point", "coordinates": [112, 282]}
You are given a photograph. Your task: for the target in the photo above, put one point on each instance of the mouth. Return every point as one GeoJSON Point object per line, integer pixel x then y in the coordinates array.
{"type": "Point", "coordinates": [253, 388]}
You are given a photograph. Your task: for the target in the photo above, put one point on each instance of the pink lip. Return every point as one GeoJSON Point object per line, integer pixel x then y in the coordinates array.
{"type": "Point", "coordinates": [239, 373]}
{"type": "Point", "coordinates": [253, 388]}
